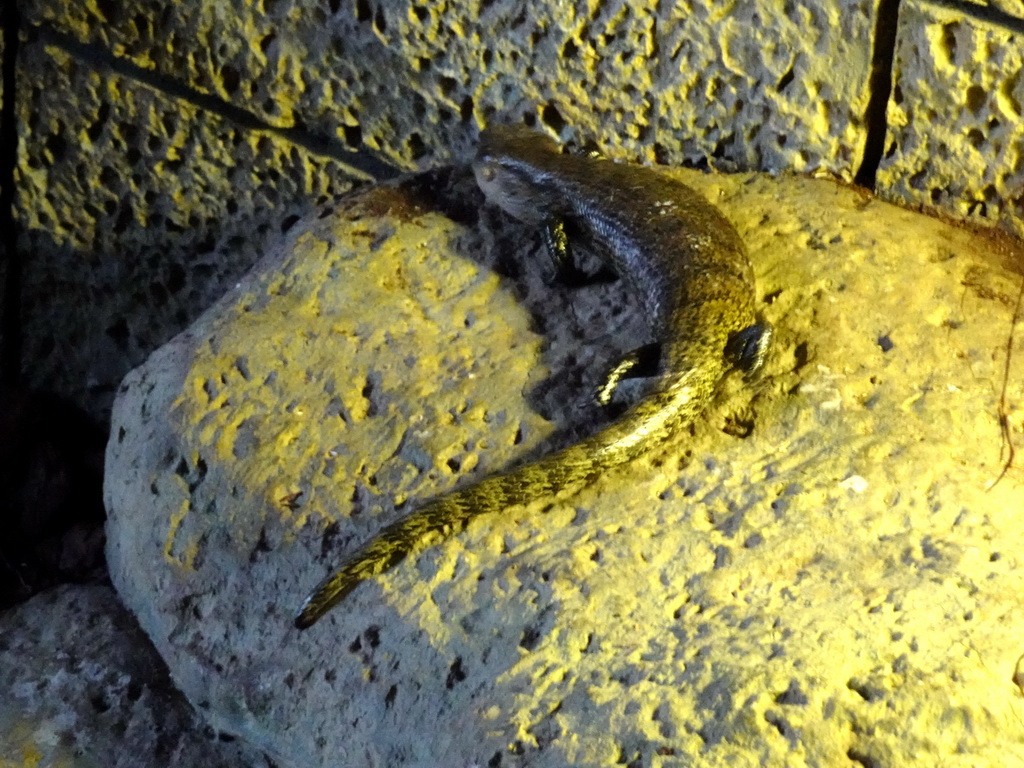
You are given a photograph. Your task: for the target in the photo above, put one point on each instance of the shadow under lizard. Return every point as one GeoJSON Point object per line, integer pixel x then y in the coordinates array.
{"type": "Point", "coordinates": [690, 269]}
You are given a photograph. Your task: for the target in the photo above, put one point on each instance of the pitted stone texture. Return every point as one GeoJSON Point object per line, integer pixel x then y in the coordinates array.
{"type": "Point", "coordinates": [138, 211]}
{"type": "Point", "coordinates": [83, 688]}
{"type": "Point", "coordinates": [956, 121]}
{"type": "Point", "coordinates": [754, 85]}
{"type": "Point", "coordinates": [839, 586]}
{"type": "Point", "coordinates": [1010, 7]}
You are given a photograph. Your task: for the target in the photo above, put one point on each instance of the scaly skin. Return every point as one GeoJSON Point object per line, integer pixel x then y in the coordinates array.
{"type": "Point", "coordinates": [690, 268]}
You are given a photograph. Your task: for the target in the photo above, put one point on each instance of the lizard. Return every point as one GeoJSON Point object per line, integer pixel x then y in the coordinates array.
{"type": "Point", "coordinates": [695, 283]}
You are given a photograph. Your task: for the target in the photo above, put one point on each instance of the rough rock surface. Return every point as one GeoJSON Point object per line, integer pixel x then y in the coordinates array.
{"type": "Point", "coordinates": [821, 573]}
{"type": "Point", "coordinates": [956, 121]}
{"type": "Point", "coordinates": [138, 211]}
{"type": "Point", "coordinates": [751, 84]}
{"type": "Point", "coordinates": [83, 688]}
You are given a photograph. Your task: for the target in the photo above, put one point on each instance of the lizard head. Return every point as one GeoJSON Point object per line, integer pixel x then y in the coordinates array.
{"type": "Point", "coordinates": [512, 166]}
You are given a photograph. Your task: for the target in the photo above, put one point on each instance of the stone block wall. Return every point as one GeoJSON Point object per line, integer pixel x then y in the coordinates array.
{"type": "Point", "coordinates": [955, 135]}
{"type": "Point", "coordinates": [162, 144]}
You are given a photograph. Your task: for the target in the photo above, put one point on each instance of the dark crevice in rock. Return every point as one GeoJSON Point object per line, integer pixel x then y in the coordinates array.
{"type": "Point", "coordinates": [51, 495]}
{"type": "Point", "coordinates": [880, 88]}
{"type": "Point", "coordinates": [10, 292]}
{"type": "Point", "coordinates": [985, 13]}
{"type": "Point", "coordinates": [360, 163]}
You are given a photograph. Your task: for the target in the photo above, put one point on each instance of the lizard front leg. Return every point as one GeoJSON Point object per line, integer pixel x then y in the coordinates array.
{"type": "Point", "coordinates": [556, 242]}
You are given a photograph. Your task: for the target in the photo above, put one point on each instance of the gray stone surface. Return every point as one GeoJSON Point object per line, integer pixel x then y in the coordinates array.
{"type": "Point", "coordinates": [84, 688]}
{"type": "Point", "coordinates": [753, 85]}
{"type": "Point", "coordinates": [841, 584]}
{"type": "Point", "coordinates": [956, 133]}
{"type": "Point", "coordinates": [138, 211]}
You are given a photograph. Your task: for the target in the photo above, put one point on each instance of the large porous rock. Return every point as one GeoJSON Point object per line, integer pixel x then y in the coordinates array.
{"type": "Point", "coordinates": [83, 687]}
{"type": "Point", "coordinates": [825, 569]}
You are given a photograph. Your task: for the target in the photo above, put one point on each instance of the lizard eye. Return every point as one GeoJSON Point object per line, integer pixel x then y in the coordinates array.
{"type": "Point", "coordinates": [487, 171]}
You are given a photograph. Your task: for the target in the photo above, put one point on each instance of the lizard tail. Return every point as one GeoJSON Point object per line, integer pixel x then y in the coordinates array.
{"type": "Point", "coordinates": [676, 401]}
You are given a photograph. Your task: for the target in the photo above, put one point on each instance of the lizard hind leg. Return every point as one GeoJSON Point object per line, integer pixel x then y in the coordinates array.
{"type": "Point", "coordinates": [643, 362]}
